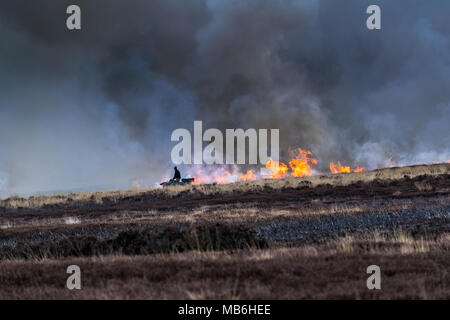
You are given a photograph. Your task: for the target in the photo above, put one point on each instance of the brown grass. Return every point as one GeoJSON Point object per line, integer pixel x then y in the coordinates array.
{"type": "Point", "coordinates": [410, 270]}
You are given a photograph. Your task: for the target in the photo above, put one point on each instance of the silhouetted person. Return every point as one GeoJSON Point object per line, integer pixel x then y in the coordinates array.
{"type": "Point", "coordinates": [177, 176]}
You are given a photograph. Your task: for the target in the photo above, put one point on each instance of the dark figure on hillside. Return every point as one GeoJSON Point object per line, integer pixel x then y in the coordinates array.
{"type": "Point", "coordinates": [177, 176]}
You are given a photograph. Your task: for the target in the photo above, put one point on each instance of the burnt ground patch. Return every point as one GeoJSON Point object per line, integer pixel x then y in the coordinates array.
{"type": "Point", "coordinates": [132, 242]}
{"type": "Point", "coordinates": [427, 222]}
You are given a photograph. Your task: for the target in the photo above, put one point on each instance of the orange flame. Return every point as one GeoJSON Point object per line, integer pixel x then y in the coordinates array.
{"type": "Point", "coordinates": [338, 168]}
{"type": "Point", "coordinates": [358, 169]}
{"type": "Point", "coordinates": [277, 169]}
{"type": "Point", "coordinates": [249, 176]}
{"type": "Point", "coordinates": [301, 165]}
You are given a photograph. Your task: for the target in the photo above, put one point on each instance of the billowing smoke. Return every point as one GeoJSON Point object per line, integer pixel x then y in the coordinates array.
{"type": "Point", "coordinates": [95, 108]}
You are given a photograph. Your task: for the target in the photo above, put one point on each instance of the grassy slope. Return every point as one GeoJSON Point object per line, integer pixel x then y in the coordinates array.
{"type": "Point", "coordinates": [321, 232]}
{"type": "Point", "coordinates": [116, 197]}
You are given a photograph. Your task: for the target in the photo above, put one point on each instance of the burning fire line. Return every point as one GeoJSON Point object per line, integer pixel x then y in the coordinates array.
{"type": "Point", "coordinates": [277, 169]}
{"type": "Point", "coordinates": [338, 168]}
{"type": "Point", "coordinates": [249, 176]}
{"type": "Point", "coordinates": [301, 164]}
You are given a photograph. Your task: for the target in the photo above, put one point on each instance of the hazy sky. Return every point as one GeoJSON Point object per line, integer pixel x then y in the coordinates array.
{"type": "Point", "coordinates": [96, 107]}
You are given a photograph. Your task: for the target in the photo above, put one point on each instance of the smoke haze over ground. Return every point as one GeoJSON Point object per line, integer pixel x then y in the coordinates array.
{"type": "Point", "coordinates": [95, 108]}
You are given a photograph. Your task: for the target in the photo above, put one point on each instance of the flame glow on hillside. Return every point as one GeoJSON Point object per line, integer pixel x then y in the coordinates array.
{"type": "Point", "coordinates": [301, 164]}
{"type": "Point", "coordinates": [338, 168]}
{"type": "Point", "coordinates": [219, 175]}
{"type": "Point", "coordinates": [249, 176]}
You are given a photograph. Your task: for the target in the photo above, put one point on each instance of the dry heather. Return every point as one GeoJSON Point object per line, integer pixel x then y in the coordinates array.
{"type": "Point", "coordinates": [410, 270]}
{"type": "Point", "coordinates": [112, 197]}
{"type": "Point", "coordinates": [272, 239]}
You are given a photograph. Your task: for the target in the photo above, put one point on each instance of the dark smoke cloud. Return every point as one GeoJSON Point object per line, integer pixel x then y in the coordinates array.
{"type": "Point", "coordinates": [96, 108]}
